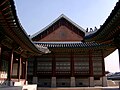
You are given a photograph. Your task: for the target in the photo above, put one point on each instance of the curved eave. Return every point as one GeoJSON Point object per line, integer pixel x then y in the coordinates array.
{"type": "Point", "coordinates": [109, 29]}
{"type": "Point", "coordinates": [13, 28]}
{"type": "Point", "coordinates": [80, 45]}
{"type": "Point", "coordinates": [25, 39]}
{"type": "Point", "coordinates": [108, 47]}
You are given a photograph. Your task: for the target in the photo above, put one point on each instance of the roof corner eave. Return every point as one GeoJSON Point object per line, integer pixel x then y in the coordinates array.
{"type": "Point", "coordinates": [114, 16]}
{"type": "Point", "coordinates": [42, 49]}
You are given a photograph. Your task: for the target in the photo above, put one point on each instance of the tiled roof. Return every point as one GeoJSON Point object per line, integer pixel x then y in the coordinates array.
{"type": "Point", "coordinates": [69, 44]}
{"type": "Point", "coordinates": [110, 27]}
{"type": "Point", "coordinates": [12, 27]}
{"type": "Point", "coordinates": [61, 16]}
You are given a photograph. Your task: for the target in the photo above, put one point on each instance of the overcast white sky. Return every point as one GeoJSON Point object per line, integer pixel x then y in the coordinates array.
{"type": "Point", "coordinates": [36, 14]}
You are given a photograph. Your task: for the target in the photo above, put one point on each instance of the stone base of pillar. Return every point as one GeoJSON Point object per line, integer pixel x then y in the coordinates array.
{"type": "Point", "coordinates": [10, 83]}
{"type": "Point", "coordinates": [72, 83]}
{"type": "Point", "coordinates": [91, 83]}
{"type": "Point", "coordinates": [6, 83]}
{"type": "Point", "coordinates": [104, 81]}
{"type": "Point", "coordinates": [35, 80]}
{"type": "Point", "coordinates": [53, 82]}
{"type": "Point", "coordinates": [26, 83]}
{"type": "Point", "coordinates": [119, 85]}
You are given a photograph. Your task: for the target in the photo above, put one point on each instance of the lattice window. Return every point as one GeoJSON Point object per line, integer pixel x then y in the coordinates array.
{"type": "Point", "coordinates": [81, 65]}
{"type": "Point", "coordinates": [97, 65]}
{"type": "Point", "coordinates": [44, 66]}
{"type": "Point", "coordinates": [62, 64]}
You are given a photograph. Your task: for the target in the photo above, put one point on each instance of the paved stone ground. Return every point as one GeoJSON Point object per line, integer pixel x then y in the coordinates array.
{"type": "Point", "coordinates": [110, 89]}
{"type": "Point", "coordinates": [81, 88]}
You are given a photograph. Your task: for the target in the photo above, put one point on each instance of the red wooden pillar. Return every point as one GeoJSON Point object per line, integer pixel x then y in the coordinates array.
{"type": "Point", "coordinates": [26, 63]}
{"type": "Point", "coordinates": [72, 79]}
{"type": "Point", "coordinates": [10, 65]}
{"type": "Point", "coordinates": [53, 79]}
{"type": "Point", "coordinates": [103, 63]}
{"type": "Point", "coordinates": [53, 66]}
{"type": "Point", "coordinates": [19, 68]}
{"type": "Point", "coordinates": [72, 64]}
{"type": "Point", "coordinates": [90, 64]}
{"type": "Point", "coordinates": [104, 78]}
{"type": "Point", "coordinates": [23, 70]}
{"type": "Point", "coordinates": [0, 58]}
{"type": "Point", "coordinates": [91, 72]}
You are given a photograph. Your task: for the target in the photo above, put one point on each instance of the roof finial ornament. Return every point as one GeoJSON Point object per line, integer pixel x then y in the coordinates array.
{"type": "Point", "coordinates": [95, 28]}
{"type": "Point", "coordinates": [87, 30]}
{"type": "Point", "coordinates": [91, 29]}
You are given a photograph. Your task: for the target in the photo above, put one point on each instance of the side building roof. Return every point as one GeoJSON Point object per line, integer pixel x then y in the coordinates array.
{"type": "Point", "coordinates": [12, 28]}
{"type": "Point", "coordinates": [110, 28]}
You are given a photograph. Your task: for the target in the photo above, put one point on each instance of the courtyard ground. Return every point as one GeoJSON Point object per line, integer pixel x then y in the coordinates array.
{"type": "Point", "coordinates": [81, 88]}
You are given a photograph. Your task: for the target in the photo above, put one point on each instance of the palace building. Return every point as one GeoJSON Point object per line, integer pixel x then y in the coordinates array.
{"type": "Point", "coordinates": [62, 54]}
{"type": "Point", "coordinates": [72, 61]}
{"type": "Point", "coordinates": [77, 56]}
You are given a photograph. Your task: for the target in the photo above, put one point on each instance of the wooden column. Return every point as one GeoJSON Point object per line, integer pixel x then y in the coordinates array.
{"type": "Point", "coordinates": [26, 63]}
{"type": "Point", "coordinates": [104, 78]}
{"type": "Point", "coordinates": [53, 66]}
{"type": "Point", "coordinates": [91, 72]}
{"type": "Point", "coordinates": [72, 79]}
{"type": "Point", "coordinates": [53, 79]}
{"type": "Point", "coordinates": [103, 63]}
{"type": "Point", "coordinates": [19, 68]}
{"type": "Point", "coordinates": [23, 70]}
{"type": "Point", "coordinates": [35, 67]}
{"type": "Point", "coordinates": [10, 65]}
{"type": "Point", "coordinates": [0, 58]}
{"type": "Point", "coordinates": [90, 64]}
{"type": "Point", "coordinates": [72, 64]}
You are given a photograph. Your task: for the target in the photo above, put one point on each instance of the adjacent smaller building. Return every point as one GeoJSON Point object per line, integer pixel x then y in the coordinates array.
{"type": "Point", "coordinates": [15, 47]}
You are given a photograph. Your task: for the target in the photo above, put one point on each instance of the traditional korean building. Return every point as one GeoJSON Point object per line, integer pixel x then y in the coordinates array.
{"type": "Point", "coordinates": [74, 60]}
{"type": "Point", "coordinates": [15, 47]}
{"type": "Point", "coordinates": [77, 56]}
